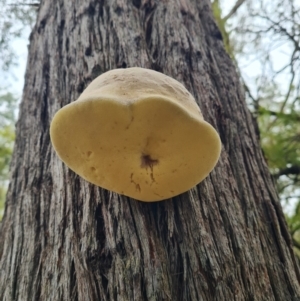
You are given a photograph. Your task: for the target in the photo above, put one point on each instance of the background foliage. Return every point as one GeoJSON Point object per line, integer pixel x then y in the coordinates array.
{"type": "Point", "coordinates": [16, 19]}
{"type": "Point", "coordinates": [263, 39]}
{"type": "Point", "coordinates": [8, 104]}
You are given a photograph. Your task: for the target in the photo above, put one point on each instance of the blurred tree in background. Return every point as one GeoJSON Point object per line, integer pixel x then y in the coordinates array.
{"type": "Point", "coordinates": [263, 38]}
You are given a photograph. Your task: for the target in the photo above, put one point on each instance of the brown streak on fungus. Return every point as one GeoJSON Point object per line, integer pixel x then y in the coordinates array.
{"type": "Point", "coordinates": [147, 161]}
{"type": "Point", "coordinates": [137, 186]}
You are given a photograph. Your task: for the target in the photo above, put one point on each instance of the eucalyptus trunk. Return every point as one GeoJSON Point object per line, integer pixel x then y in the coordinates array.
{"type": "Point", "coordinates": [65, 239]}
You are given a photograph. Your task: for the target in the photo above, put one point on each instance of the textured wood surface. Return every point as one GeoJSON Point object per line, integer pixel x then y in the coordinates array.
{"type": "Point", "coordinates": [65, 239]}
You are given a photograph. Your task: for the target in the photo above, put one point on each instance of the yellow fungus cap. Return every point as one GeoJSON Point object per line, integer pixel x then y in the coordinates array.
{"type": "Point", "coordinates": [137, 132]}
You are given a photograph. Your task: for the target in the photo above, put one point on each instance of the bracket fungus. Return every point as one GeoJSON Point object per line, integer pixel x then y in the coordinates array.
{"type": "Point", "coordinates": [137, 132]}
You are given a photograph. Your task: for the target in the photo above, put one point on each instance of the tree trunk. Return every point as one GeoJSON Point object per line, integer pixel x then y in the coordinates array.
{"type": "Point", "coordinates": [65, 239]}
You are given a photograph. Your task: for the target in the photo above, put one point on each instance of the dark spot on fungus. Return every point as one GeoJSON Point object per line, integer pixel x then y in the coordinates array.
{"type": "Point", "coordinates": [89, 153]}
{"type": "Point", "coordinates": [93, 168]}
{"type": "Point", "coordinates": [147, 161]}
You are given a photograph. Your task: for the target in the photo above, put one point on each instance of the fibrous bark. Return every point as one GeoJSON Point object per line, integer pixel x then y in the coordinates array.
{"type": "Point", "coordinates": [65, 239]}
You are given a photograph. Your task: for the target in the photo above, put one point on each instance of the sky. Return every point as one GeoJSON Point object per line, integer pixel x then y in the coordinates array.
{"type": "Point", "coordinates": [14, 79]}
{"type": "Point", "coordinates": [249, 67]}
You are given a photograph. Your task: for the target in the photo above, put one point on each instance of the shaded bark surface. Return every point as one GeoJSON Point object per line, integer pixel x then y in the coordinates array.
{"type": "Point", "coordinates": [65, 239]}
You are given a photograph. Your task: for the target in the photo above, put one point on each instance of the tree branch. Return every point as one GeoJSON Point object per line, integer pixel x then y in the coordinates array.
{"type": "Point", "coordinates": [293, 170]}
{"type": "Point", "coordinates": [233, 10]}
{"type": "Point", "coordinates": [36, 4]}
